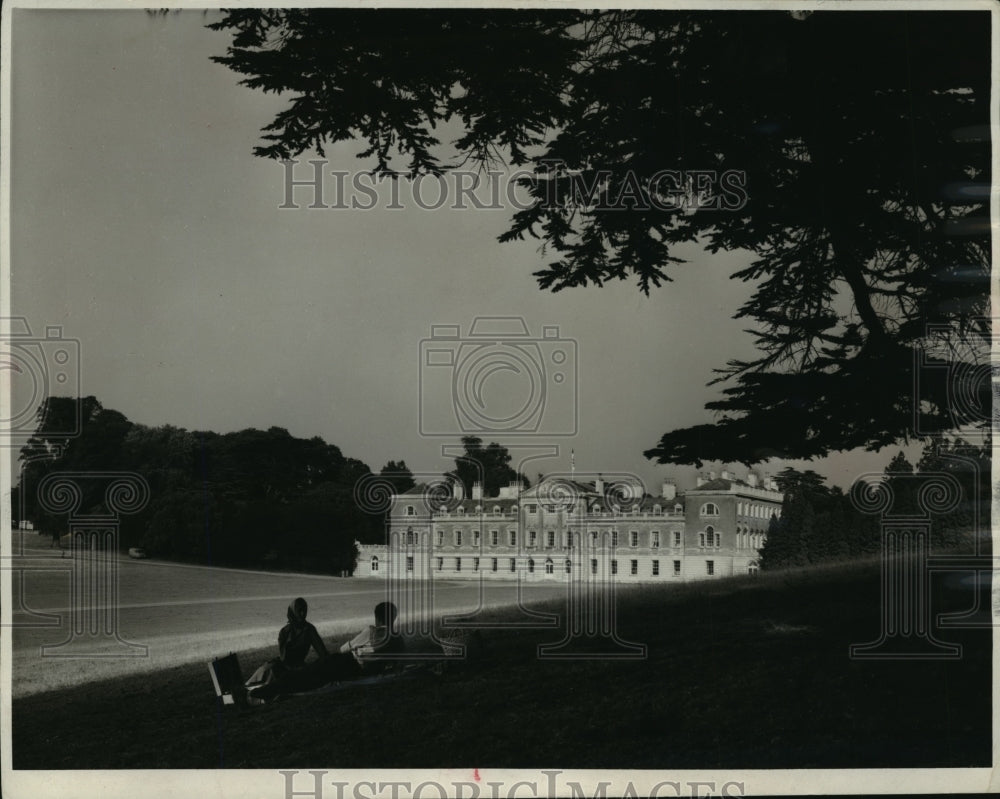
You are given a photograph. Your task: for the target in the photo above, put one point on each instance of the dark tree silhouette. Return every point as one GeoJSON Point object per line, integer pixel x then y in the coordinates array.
{"type": "Point", "coordinates": [242, 498]}
{"type": "Point", "coordinates": [859, 141]}
{"type": "Point", "coordinates": [488, 465]}
{"type": "Point", "coordinates": [399, 475]}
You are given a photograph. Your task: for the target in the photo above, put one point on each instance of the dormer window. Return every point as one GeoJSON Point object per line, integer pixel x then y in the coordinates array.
{"type": "Point", "coordinates": [410, 511]}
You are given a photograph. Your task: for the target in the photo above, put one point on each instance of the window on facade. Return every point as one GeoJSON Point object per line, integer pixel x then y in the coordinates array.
{"type": "Point", "coordinates": [568, 539]}
{"type": "Point", "coordinates": [677, 567]}
{"type": "Point", "coordinates": [614, 567]}
{"type": "Point", "coordinates": [531, 566]}
{"type": "Point", "coordinates": [710, 566]}
{"type": "Point", "coordinates": [709, 509]}
{"type": "Point", "coordinates": [409, 536]}
{"type": "Point", "coordinates": [654, 539]}
{"type": "Point", "coordinates": [493, 565]}
{"type": "Point", "coordinates": [475, 538]}
{"type": "Point", "coordinates": [458, 564]}
{"type": "Point", "coordinates": [410, 511]}
{"type": "Point", "coordinates": [593, 538]}
{"type": "Point", "coordinates": [549, 566]}
{"type": "Point", "coordinates": [440, 564]}
{"type": "Point", "coordinates": [656, 568]}
{"type": "Point", "coordinates": [496, 510]}
{"type": "Point", "coordinates": [374, 563]}
{"type": "Point", "coordinates": [701, 539]}
{"type": "Point", "coordinates": [513, 564]}
{"type": "Point", "coordinates": [709, 536]}
{"type": "Point", "coordinates": [532, 538]}
{"type": "Point", "coordinates": [512, 537]}
{"type": "Point", "coordinates": [475, 564]}
{"type": "Point", "coordinates": [531, 508]}
{"type": "Point", "coordinates": [494, 537]}
{"type": "Point", "coordinates": [633, 538]}
{"type": "Point", "coordinates": [409, 563]}
{"type": "Point", "coordinates": [550, 539]}
{"type": "Point", "coordinates": [569, 566]}
{"type": "Point", "coordinates": [593, 566]}
{"type": "Point", "coordinates": [440, 537]}
{"type": "Point", "coordinates": [752, 568]}
{"type": "Point", "coordinates": [634, 567]}
{"type": "Point", "coordinates": [677, 538]}
{"type": "Point", "coordinates": [458, 538]}
{"type": "Point", "coordinates": [614, 538]}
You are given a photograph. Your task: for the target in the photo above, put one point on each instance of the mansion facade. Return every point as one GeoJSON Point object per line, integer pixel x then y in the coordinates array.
{"type": "Point", "coordinates": [562, 527]}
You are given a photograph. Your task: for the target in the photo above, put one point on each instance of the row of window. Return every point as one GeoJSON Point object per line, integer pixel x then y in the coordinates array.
{"type": "Point", "coordinates": [549, 565]}
{"type": "Point", "coordinates": [593, 510]}
{"type": "Point", "coordinates": [745, 539]}
{"type": "Point", "coordinates": [458, 538]}
{"type": "Point", "coordinates": [752, 509]}
{"type": "Point", "coordinates": [709, 538]}
{"type": "Point", "coordinates": [756, 511]}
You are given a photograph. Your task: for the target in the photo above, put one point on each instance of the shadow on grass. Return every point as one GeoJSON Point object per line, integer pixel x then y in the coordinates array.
{"type": "Point", "coordinates": [738, 673]}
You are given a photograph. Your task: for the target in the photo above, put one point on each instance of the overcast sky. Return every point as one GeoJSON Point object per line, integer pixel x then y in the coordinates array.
{"type": "Point", "coordinates": [143, 225]}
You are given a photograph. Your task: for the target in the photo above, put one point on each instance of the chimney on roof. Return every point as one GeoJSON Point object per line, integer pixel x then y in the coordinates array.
{"type": "Point", "coordinates": [477, 490]}
{"type": "Point", "coordinates": [669, 490]}
{"type": "Point", "coordinates": [726, 475]}
{"type": "Point", "coordinates": [457, 490]}
{"type": "Point", "coordinates": [711, 475]}
{"type": "Point", "coordinates": [700, 481]}
{"type": "Point", "coordinates": [599, 485]}
{"type": "Point", "coordinates": [752, 479]}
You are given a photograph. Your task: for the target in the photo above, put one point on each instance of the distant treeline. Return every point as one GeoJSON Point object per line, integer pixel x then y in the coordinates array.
{"type": "Point", "coordinates": [822, 523]}
{"type": "Point", "coordinates": [254, 497]}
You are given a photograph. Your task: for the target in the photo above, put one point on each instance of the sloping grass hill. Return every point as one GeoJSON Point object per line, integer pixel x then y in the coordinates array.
{"type": "Point", "coordinates": [740, 673]}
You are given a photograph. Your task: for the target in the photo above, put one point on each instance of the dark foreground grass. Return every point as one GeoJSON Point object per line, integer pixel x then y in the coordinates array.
{"type": "Point", "coordinates": [744, 673]}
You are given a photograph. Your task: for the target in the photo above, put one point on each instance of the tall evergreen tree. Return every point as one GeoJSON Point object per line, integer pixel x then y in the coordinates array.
{"type": "Point", "coordinates": [838, 163]}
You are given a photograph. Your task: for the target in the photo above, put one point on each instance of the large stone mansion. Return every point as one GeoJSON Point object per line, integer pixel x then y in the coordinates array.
{"type": "Point", "coordinates": [562, 526]}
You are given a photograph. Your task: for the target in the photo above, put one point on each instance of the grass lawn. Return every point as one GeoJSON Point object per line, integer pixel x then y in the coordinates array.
{"type": "Point", "coordinates": [739, 673]}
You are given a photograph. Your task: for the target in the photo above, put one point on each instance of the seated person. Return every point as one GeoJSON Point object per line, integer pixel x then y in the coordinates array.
{"type": "Point", "coordinates": [295, 640]}
{"type": "Point", "coordinates": [359, 657]}
{"type": "Point", "coordinates": [370, 645]}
